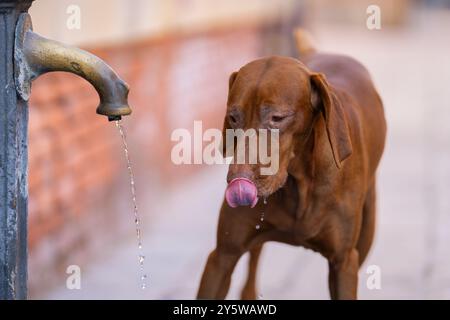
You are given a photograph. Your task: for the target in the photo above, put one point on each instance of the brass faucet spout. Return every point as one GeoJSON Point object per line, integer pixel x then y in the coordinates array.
{"type": "Point", "coordinates": [36, 55]}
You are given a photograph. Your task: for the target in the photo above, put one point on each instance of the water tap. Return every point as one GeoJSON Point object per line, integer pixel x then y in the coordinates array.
{"type": "Point", "coordinates": [35, 55]}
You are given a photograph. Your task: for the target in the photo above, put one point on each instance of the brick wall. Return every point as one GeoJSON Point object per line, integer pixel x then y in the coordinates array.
{"type": "Point", "coordinates": [76, 164]}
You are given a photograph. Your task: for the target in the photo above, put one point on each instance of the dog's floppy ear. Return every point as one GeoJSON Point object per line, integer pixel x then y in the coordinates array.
{"type": "Point", "coordinates": [226, 124]}
{"type": "Point", "coordinates": [323, 97]}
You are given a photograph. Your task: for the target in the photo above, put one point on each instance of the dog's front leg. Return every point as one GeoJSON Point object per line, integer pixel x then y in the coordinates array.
{"type": "Point", "coordinates": [217, 275]}
{"type": "Point", "coordinates": [343, 276]}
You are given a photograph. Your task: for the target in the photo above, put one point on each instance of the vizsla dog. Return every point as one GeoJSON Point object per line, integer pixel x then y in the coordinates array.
{"type": "Point", "coordinates": [332, 134]}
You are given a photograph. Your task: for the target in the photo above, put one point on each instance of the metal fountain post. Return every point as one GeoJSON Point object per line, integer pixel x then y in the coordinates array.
{"type": "Point", "coordinates": [24, 56]}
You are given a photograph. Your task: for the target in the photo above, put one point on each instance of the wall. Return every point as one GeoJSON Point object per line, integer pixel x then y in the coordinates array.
{"type": "Point", "coordinates": [112, 21]}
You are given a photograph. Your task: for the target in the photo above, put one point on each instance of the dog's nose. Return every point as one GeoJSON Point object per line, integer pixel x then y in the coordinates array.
{"type": "Point", "coordinates": [241, 192]}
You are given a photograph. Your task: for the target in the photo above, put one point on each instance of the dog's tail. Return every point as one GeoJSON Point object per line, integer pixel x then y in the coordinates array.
{"type": "Point", "coordinates": [304, 42]}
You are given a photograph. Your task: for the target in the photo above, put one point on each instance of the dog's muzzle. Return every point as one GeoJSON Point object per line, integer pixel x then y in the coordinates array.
{"type": "Point", "coordinates": [241, 192]}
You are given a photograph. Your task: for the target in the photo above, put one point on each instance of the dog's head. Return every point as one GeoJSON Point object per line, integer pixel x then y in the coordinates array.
{"type": "Point", "coordinates": [281, 94]}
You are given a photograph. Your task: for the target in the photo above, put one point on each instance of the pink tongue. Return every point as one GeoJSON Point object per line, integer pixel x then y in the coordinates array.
{"type": "Point", "coordinates": [241, 192]}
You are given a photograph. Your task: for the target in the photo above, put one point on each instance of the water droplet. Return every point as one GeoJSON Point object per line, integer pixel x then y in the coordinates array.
{"type": "Point", "coordinates": [265, 200]}
{"type": "Point", "coordinates": [260, 296]}
{"type": "Point", "coordinates": [137, 221]}
{"type": "Point", "coordinates": [143, 286]}
{"type": "Point", "coordinates": [258, 227]}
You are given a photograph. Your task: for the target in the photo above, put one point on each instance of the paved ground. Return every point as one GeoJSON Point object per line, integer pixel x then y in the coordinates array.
{"type": "Point", "coordinates": [412, 71]}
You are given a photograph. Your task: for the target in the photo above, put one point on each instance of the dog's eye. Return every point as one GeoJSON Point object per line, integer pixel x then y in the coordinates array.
{"type": "Point", "coordinates": [232, 119]}
{"type": "Point", "coordinates": [235, 118]}
{"type": "Point", "coordinates": [277, 119]}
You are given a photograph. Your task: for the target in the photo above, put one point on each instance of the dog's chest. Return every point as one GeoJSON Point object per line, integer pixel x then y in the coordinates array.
{"type": "Point", "coordinates": [291, 216]}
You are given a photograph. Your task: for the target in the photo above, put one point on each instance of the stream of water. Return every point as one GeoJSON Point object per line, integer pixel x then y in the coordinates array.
{"type": "Point", "coordinates": [137, 219]}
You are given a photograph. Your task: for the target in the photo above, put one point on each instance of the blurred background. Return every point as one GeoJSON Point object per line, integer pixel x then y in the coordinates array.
{"type": "Point", "coordinates": [177, 55]}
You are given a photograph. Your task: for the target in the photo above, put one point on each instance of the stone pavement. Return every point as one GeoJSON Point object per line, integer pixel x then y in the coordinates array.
{"type": "Point", "coordinates": [411, 68]}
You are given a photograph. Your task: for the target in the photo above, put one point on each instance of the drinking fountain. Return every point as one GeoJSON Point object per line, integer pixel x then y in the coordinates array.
{"type": "Point", "coordinates": [24, 56]}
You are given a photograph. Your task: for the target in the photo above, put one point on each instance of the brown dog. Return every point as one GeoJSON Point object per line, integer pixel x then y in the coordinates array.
{"type": "Point", "coordinates": [332, 134]}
